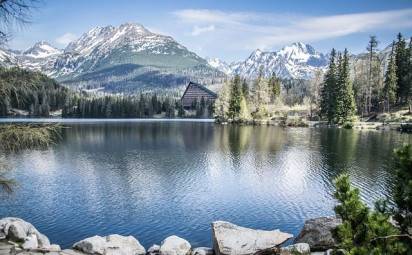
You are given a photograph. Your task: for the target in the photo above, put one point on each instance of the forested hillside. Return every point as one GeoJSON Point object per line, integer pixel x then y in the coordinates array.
{"type": "Point", "coordinates": [32, 92]}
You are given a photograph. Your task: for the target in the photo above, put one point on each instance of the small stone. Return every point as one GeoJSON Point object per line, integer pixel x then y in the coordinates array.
{"type": "Point", "coordinates": [153, 250]}
{"type": "Point", "coordinates": [203, 251]}
{"type": "Point", "coordinates": [295, 249]}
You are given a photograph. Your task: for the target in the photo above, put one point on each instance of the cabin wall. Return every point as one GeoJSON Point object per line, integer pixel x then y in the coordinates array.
{"type": "Point", "coordinates": [193, 93]}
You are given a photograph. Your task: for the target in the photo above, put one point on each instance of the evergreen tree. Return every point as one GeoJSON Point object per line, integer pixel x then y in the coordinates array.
{"type": "Point", "coordinates": [389, 90]}
{"type": "Point", "coordinates": [345, 99]}
{"type": "Point", "coordinates": [402, 69]}
{"type": "Point", "coordinates": [328, 97]}
{"type": "Point", "coordinates": [372, 52]}
{"type": "Point", "coordinates": [402, 194]}
{"type": "Point", "coordinates": [363, 232]}
{"type": "Point", "coordinates": [235, 98]}
{"type": "Point", "coordinates": [274, 86]}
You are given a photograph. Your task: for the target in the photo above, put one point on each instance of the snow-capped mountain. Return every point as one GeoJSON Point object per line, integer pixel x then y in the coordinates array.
{"type": "Point", "coordinates": [41, 50]}
{"type": "Point", "coordinates": [297, 60]}
{"type": "Point", "coordinates": [126, 58]}
{"type": "Point", "coordinates": [220, 65]}
{"type": "Point", "coordinates": [40, 57]}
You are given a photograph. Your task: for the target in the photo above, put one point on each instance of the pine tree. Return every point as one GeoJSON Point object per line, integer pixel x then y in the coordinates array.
{"type": "Point", "coordinates": [372, 49]}
{"type": "Point", "coordinates": [328, 97]}
{"type": "Point", "coordinates": [363, 232]}
{"type": "Point", "coordinates": [402, 69]}
{"type": "Point", "coordinates": [402, 194]}
{"type": "Point", "coordinates": [235, 98]}
{"type": "Point", "coordinates": [389, 90]}
{"type": "Point", "coordinates": [345, 97]}
{"type": "Point", "coordinates": [274, 86]}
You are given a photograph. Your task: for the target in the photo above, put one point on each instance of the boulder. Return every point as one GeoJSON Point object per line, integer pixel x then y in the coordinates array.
{"type": "Point", "coordinates": [318, 233]}
{"type": "Point", "coordinates": [112, 244]}
{"type": "Point", "coordinates": [30, 242]}
{"type": "Point", "coordinates": [174, 245]}
{"type": "Point", "coordinates": [18, 230]}
{"type": "Point", "coordinates": [230, 239]}
{"type": "Point", "coordinates": [296, 249]}
{"type": "Point", "coordinates": [203, 251]}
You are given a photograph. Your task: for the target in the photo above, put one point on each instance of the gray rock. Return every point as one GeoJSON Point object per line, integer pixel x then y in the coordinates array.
{"type": "Point", "coordinates": [230, 239]}
{"type": "Point", "coordinates": [30, 242]}
{"type": "Point", "coordinates": [153, 250]}
{"type": "Point", "coordinates": [15, 229]}
{"type": "Point", "coordinates": [203, 251]}
{"type": "Point", "coordinates": [295, 249]}
{"type": "Point", "coordinates": [174, 245]}
{"type": "Point", "coordinates": [318, 233]}
{"type": "Point", "coordinates": [112, 244]}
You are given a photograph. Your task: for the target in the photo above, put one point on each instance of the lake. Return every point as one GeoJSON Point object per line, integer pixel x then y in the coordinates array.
{"type": "Point", "coordinates": [152, 179]}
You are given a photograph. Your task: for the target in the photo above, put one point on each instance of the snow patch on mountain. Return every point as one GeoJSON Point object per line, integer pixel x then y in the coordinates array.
{"type": "Point", "coordinates": [41, 50]}
{"type": "Point", "coordinates": [298, 61]}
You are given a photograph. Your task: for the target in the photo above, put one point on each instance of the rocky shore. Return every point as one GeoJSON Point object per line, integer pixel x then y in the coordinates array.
{"type": "Point", "coordinates": [20, 237]}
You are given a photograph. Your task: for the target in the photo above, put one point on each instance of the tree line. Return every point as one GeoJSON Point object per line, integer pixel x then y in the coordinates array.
{"type": "Point", "coordinates": [110, 106]}
{"type": "Point", "coordinates": [239, 102]}
{"type": "Point", "coordinates": [30, 91]}
{"type": "Point", "coordinates": [39, 96]}
{"type": "Point", "coordinates": [362, 85]}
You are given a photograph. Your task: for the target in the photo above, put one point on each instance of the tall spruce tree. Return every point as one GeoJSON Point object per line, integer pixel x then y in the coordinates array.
{"type": "Point", "coordinates": [346, 97]}
{"type": "Point", "coordinates": [372, 52]}
{"type": "Point", "coordinates": [402, 71]}
{"type": "Point", "coordinates": [389, 89]}
{"type": "Point", "coordinates": [235, 98]}
{"type": "Point", "coordinates": [327, 104]}
{"type": "Point", "coordinates": [274, 87]}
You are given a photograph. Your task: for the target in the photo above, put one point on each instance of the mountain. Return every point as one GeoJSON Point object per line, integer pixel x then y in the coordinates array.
{"type": "Point", "coordinates": [40, 57]}
{"type": "Point", "coordinates": [297, 60]}
{"type": "Point", "coordinates": [127, 58]}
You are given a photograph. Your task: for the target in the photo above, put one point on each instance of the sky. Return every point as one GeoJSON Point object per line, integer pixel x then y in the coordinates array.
{"type": "Point", "coordinates": [229, 30]}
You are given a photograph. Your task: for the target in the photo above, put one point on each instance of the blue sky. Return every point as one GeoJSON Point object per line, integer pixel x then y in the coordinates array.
{"type": "Point", "coordinates": [230, 30]}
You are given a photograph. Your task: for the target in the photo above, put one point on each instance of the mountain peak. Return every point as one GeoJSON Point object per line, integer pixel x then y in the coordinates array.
{"type": "Point", "coordinates": [41, 49]}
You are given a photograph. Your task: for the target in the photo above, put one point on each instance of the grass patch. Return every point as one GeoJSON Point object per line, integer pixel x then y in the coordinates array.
{"type": "Point", "coordinates": [16, 137]}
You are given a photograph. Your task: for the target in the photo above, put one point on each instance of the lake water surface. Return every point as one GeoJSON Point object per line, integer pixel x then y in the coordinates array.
{"type": "Point", "coordinates": [152, 179]}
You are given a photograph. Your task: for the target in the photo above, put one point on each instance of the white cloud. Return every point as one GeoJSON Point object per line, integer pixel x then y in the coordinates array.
{"type": "Point", "coordinates": [253, 30]}
{"type": "Point", "coordinates": [197, 30]}
{"type": "Point", "coordinates": [66, 38]}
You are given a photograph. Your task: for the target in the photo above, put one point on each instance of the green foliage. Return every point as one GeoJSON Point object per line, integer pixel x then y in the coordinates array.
{"type": "Point", "coordinates": [363, 231]}
{"type": "Point", "coordinates": [16, 137]}
{"type": "Point", "coordinates": [389, 89]}
{"type": "Point", "coordinates": [337, 98]}
{"type": "Point", "coordinates": [328, 94]}
{"type": "Point", "coordinates": [347, 125]}
{"type": "Point", "coordinates": [402, 69]}
{"type": "Point", "coordinates": [235, 98]}
{"type": "Point", "coordinates": [274, 87]}
{"type": "Point", "coordinates": [133, 106]}
{"type": "Point", "coordinates": [402, 194]}
{"type": "Point", "coordinates": [30, 91]}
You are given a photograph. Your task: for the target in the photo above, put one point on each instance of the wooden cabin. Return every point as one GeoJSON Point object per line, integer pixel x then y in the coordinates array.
{"type": "Point", "coordinates": [195, 91]}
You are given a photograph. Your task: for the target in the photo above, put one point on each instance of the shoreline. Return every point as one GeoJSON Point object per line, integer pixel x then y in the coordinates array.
{"type": "Point", "coordinates": [316, 238]}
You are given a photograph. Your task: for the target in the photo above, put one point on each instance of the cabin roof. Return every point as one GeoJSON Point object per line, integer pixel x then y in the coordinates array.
{"type": "Point", "coordinates": [200, 87]}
